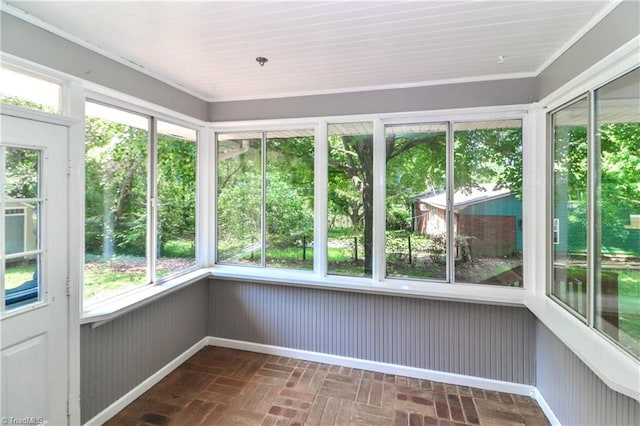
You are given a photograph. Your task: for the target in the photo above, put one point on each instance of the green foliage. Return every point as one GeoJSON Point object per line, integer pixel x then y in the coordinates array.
{"type": "Point", "coordinates": [21, 172]}
{"type": "Point", "coordinates": [116, 189]}
{"type": "Point", "coordinates": [619, 184]}
{"type": "Point", "coordinates": [289, 196]}
{"type": "Point", "coordinates": [14, 100]}
{"type": "Point", "coordinates": [179, 248]}
{"type": "Point", "coordinates": [488, 156]}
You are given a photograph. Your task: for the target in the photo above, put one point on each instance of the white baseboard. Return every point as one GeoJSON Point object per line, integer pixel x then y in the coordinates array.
{"type": "Point", "coordinates": [381, 367]}
{"type": "Point", "coordinates": [136, 392]}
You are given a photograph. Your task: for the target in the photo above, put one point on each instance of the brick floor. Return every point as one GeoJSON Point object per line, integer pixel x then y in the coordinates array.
{"type": "Point", "coordinates": [219, 386]}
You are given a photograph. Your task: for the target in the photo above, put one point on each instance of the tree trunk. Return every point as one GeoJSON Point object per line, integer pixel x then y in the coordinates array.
{"type": "Point", "coordinates": [365, 154]}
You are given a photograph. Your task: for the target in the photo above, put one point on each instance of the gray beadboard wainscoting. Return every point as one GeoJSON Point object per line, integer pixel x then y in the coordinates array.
{"type": "Point", "coordinates": [121, 354]}
{"type": "Point", "coordinates": [495, 342]}
{"type": "Point", "coordinates": [575, 394]}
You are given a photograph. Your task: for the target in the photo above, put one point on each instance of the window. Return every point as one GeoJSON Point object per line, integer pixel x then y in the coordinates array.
{"type": "Point", "coordinates": [416, 207]}
{"type": "Point", "coordinates": [596, 193]}
{"type": "Point", "coordinates": [21, 204]}
{"type": "Point", "coordinates": [350, 203]}
{"type": "Point", "coordinates": [487, 202]}
{"type": "Point", "coordinates": [176, 194]}
{"type": "Point", "coordinates": [18, 88]}
{"type": "Point", "coordinates": [453, 201]}
{"type": "Point", "coordinates": [139, 219]}
{"type": "Point", "coordinates": [476, 237]}
{"type": "Point", "coordinates": [265, 198]}
{"type": "Point", "coordinates": [569, 284]}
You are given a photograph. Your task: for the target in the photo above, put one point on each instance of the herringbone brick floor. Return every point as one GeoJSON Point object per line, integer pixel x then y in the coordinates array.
{"type": "Point", "coordinates": [220, 386]}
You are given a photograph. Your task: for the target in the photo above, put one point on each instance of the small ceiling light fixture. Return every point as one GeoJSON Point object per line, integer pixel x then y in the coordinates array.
{"type": "Point", "coordinates": [501, 59]}
{"type": "Point", "coordinates": [261, 60]}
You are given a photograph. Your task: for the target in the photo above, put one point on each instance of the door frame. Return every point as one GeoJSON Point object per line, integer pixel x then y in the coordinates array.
{"type": "Point", "coordinates": [75, 212]}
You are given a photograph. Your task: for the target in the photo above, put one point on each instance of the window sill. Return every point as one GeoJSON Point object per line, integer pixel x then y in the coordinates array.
{"type": "Point", "coordinates": [105, 311]}
{"type": "Point", "coordinates": [109, 309]}
{"type": "Point", "coordinates": [618, 369]}
{"type": "Point", "coordinates": [468, 293]}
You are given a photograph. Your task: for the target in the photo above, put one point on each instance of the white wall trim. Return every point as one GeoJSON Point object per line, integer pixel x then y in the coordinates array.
{"type": "Point", "coordinates": [546, 409]}
{"type": "Point", "coordinates": [380, 367]}
{"type": "Point", "coordinates": [147, 384]}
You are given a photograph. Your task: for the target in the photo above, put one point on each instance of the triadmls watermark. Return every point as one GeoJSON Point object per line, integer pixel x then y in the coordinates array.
{"type": "Point", "coordinates": [23, 420]}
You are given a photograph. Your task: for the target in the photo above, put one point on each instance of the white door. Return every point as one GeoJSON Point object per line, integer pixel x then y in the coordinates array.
{"type": "Point", "coordinates": [33, 272]}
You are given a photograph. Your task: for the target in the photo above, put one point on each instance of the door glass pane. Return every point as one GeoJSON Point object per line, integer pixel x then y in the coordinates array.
{"type": "Point", "coordinates": [289, 199]}
{"type": "Point", "coordinates": [569, 283]}
{"type": "Point", "coordinates": [21, 173]}
{"type": "Point", "coordinates": [21, 227]}
{"type": "Point", "coordinates": [239, 198]}
{"type": "Point", "coordinates": [176, 245]}
{"type": "Point", "coordinates": [487, 202]}
{"type": "Point", "coordinates": [350, 228]}
{"type": "Point", "coordinates": [21, 207]}
{"type": "Point", "coordinates": [21, 281]}
{"type": "Point", "coordinates": [115, 200]}
{"type": "Point", "coordinates": [617, 286]}
{"type": "Point", "coordinates": [416, 235]}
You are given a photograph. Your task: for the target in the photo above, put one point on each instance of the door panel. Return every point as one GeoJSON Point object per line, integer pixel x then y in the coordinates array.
{"type": "Point", "coordinates": [34, 305]}
{"type": "Point", "coordinates": [26, 380]}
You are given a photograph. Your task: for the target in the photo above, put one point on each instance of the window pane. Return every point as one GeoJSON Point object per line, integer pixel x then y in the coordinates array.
{"type": "Point", "coordinates": [240, 198]}
{"type": "Point", "coordinates": [487, 202]}
{"type": "Point", "coordinates": [176, 245]}
{"type": "Point", "coordinates": [21, 89]}
{"type": "Point", "coordinates": [617, 287]}
{"type": "Point", "coordinates": [350, 212]}
{"type": "Point", "coordinates": [416, 236]}
{"type": "Point", "coordinates": [21, 173]}
{"type": "Point", "coordinates": [570, 206]}
{"type": "Point", "coordinates": [289, 199]}
{"type": "Point", "coordinates": [116, 200]}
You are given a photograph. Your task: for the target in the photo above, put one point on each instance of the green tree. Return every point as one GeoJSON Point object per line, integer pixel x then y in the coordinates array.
{"type": "Point", "coordinates": [115, 187]}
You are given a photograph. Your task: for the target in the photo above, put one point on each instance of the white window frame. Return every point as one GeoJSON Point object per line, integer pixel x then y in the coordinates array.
{"type": "Point", "coordinates": [378, 283]}
{"type": "Point", "coordinates": [131, 298]}
{"type": "Point", "coordinates": [612, 364]}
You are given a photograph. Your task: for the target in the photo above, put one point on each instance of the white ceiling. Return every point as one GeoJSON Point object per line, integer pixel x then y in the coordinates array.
{"type": "Point", "coordinates": [208, 48]}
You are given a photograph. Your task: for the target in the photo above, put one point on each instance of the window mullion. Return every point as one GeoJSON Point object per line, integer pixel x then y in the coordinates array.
{"type": "Point", "coordinates": [321, 201]}
{"type": "Point", "coordinates": [593, 228]}
{"type": "Point", "coordinates": [379, 194]}
{"type": "Point", "coordinates": [152, 200]}
{"type": "Point", "coordinates": [263, 226]}
{"type": "Point", "coordinates": [449, 212]}
{"type": "Point", "coordinates": [2, 226]}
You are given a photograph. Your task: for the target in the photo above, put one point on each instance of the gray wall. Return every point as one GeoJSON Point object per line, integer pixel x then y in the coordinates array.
{"type": "Point", "coordinates": [29, 42]}
{"type": "Point", "coordinates": [494, 342]}
{"type": "Point", "coordinates": [616, 29]}
{"type": "Point", "coordinates": [574, 393]}
{"type": "Point", "coordinates": [119, 355]}
{"type": "Point", "coordinates": [465, 95]}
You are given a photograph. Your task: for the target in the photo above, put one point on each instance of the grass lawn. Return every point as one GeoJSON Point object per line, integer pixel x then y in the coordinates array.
{"type": "Point", "coordinates": [16, 275]}
{"type": "Point", "coordinates": [629, 306]}
{"type": "Point", "coordinates": [108, 277]}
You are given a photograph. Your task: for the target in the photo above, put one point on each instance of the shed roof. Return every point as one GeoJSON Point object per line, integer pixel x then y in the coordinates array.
{"type": "Point", "coordinates": [463, 198]}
